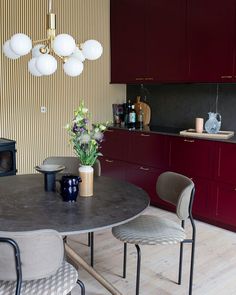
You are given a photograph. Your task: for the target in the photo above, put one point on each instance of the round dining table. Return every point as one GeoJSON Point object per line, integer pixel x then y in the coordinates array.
{"type": "Point", "coordinates": [25, 206]}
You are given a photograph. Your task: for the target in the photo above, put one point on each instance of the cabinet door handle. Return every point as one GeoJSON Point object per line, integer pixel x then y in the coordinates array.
{"type": "Point", "coordinates": [226, 77]}
{"type": "Point", "coordinates": [109, 161]}
{"type": "Point", "coordinates": [189, 140]}
{"type": "Point", "coordinates": [139, 79]}
{"type": "Point", "coordinates": [145, 135]}
{"type": "Point", "coordinates": [149, 79]}
{"type": "Point", "coordinates": [143, 168]}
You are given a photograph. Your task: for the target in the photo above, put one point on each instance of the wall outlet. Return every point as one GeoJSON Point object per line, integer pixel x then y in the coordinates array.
{"type": "Point", "coordinates": [43, 109]}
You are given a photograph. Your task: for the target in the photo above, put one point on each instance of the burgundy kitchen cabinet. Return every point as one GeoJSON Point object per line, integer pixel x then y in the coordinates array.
{"type": "Point", "coordinates": [192, 156]}
{"type": "Point", "coordinates": [225, 187]}
{"type": "Point", "coordinates": [167, 56]}
{"type": "Point", "coordinates": [173, 41]}
{"type": "Point", "coordinates": [203, 205]}
{"type": "Point", "coordinates": [149, 149]}
{"type": "Point", "coordinates": [211, 40]}
{"type": "Point", "coordinates": [140, 157]}
{"type": "Point", "coordinates": [128, 41]}
{"type": "Point", "coordinates": [225, 195]}
{"type": "Point", "coordinates": [146, 178]}
{"type": "Point", "coordinates": [226, 171]}
{"type": "Point", "coordinates": [148, 41]}
{"type": "Point", "coordinates": [196, 159]}
{"type": "Point", "coordinates": [112, 168]}
{"type": "Point", "coordinates": [116, 144]}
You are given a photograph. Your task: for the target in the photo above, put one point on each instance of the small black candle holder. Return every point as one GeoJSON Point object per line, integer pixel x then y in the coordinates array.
{"type": "Point", "coordinates": [50, 181]}
{"type": "Point", "coordinates": [50, 172]}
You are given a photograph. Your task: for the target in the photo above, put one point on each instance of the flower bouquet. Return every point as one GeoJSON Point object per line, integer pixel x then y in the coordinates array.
{"type": "Point", "coordinates": [85, 140]}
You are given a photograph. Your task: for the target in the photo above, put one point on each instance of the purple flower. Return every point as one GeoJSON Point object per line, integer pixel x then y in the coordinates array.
{"type": "Point", "coordinates": [75, 128]}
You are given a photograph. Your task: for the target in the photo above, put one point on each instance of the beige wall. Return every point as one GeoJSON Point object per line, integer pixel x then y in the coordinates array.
{"type": "Point", "coordinates": [40, 135]}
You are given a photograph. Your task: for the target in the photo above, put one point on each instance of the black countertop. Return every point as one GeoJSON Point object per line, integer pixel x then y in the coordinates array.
{"type": "Point", "coordinates": [170, 131]}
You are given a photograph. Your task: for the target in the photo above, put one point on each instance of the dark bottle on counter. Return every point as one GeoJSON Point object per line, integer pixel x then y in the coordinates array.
{"type": "Point", "coordinates": [132, 118]}
{"type": "Point", "coordinates": [127, 110]}
{"type": "Point", "coordinates": [139, 123]}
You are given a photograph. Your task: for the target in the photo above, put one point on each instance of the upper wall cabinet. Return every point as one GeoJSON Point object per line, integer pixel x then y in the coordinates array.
{"type": "Point", "coordinates": [166, 40]}
{"type": "Point", "coordinates": [158, 41]}
{"type": "Point", "coordinates": [148, 41]}
{"type": "Point", "coordinates": [211, 41]}
{"type": "Point", "coordinates": [128, 46]}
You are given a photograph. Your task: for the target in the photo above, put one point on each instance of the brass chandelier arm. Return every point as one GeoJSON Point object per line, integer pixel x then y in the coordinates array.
{"type": "Point", "coordinates": [39, 41]}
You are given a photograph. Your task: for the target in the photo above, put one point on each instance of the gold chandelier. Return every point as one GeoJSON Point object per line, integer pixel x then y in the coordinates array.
{"type": "Point", "coordinates": [45, 51]}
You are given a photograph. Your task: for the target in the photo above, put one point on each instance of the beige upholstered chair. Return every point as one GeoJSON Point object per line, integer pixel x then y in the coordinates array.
{"type": "Point", "coordinates": [151, 230]}
{"type": "Point", "coordinates": [32, 262]}
{"type": "Point", "coordinates": [72, 165]}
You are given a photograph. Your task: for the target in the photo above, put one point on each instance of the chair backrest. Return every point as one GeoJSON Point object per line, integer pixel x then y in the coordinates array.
{"type": "Point", "coordinates": [178, 190]}
{"type": "Point", "coordinates": [41, 254]}
{"type": "Point", "coordinates": [72, 164]}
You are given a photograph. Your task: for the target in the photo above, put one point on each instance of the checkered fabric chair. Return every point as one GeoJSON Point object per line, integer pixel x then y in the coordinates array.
{"type": "Point", "coordinates": [33, 263]}
{"type": "Point", "coordinates": [178, 190]}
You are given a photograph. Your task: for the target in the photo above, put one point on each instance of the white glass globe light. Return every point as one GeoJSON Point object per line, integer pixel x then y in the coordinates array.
{"type": "Point", "coordinates": [8, 52]}
{"type": "Point", "coordinates": [92, 49]}
{"type": "Point", "coordinates": [20, 44]}
{"type": "Point", "coordinates": [36, 50]}
{"type": "Point", "coordinates": [32, 67]}
{"type": "Point", "coordinates": [73, 67]}
{"type": "Point", "coordinates": [78, 54]}
{"type": "Point", "coordinates": [64, 45]}
{"type": "Point", "coordinates": [46, 64]}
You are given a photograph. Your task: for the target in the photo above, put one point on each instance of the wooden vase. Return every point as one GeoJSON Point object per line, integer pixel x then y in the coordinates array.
{"type": "Point", "coordinates": [86, 184]}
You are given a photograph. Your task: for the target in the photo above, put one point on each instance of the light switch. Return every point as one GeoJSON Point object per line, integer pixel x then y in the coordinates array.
{"type": "Point", "coordinates": [43, 109]}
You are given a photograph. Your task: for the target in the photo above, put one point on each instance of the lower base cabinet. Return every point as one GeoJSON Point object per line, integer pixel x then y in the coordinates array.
{"type": "Point", "coordinates": [112, 168]}
{"type": "Point", "coordinates": [225, 204]}
{"type": "Point", "coordinates": [146, 178]}
{"type": "Point", "coordinates": [202, 204]}
{"type": "Point", "coordinates": [210, 164]}
{"type": "Point", "coordinates": [141, 176]}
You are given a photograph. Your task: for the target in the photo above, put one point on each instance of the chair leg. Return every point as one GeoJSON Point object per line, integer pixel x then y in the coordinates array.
{"type": "Point", "coordinates": [91, 248]}
{"type": "Point", "coordinates": [79, 282]}
{"type": "Point", "coordinates": [138, 269]}
{"type": "Point", "coordinates": [124, 260]}
{"type": "Point", "coordinates": [89, 238]}
{"type": "Point", "coordinates": [180, 263]}
{"type": "Point", "coordinates": [191, 267]}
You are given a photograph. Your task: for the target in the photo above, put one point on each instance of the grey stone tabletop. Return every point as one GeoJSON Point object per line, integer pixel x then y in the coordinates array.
{"type": "Point", "coordinates": [24, 205]}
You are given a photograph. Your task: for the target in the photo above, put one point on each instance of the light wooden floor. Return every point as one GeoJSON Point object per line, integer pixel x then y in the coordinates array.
{"type": "Point", "coordinates": [215, 263]}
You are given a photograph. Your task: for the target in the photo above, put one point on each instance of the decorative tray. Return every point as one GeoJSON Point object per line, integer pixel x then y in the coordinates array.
{"type": "Point", "coordinates": [219, 135]}
{"type": "Point", "coordinates": [49, 168]}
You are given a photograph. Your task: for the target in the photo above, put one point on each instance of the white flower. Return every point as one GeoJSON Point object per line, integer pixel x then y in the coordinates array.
{"type": "Point", "coordinates": [84, 110]}
{"type": "Point", "coordinates": [84, 138]}
{"type": "Point", "coordinates": [98, 136]}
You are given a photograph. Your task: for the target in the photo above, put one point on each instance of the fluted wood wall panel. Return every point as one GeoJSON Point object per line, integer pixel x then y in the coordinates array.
{"type": "Point", "coordinates": [39, 135]}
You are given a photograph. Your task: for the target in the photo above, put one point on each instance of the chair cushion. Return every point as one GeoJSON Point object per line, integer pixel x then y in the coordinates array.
{"type": "Point", "coordinates": [149, 230]}
{"type": "Point", "coordinates": [59, 284]}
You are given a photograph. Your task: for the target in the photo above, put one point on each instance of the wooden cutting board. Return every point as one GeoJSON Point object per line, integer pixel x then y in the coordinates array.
{"type": "Point", "coordinates": [146, 110]}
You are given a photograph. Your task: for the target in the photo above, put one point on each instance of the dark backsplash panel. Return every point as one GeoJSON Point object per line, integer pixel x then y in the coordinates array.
{"type": "Point", "coordinates": [177, 105]}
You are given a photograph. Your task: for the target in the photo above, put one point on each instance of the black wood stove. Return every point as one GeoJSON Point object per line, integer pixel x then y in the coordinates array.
{"type": "Point", "coordinates": [7, 157]}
